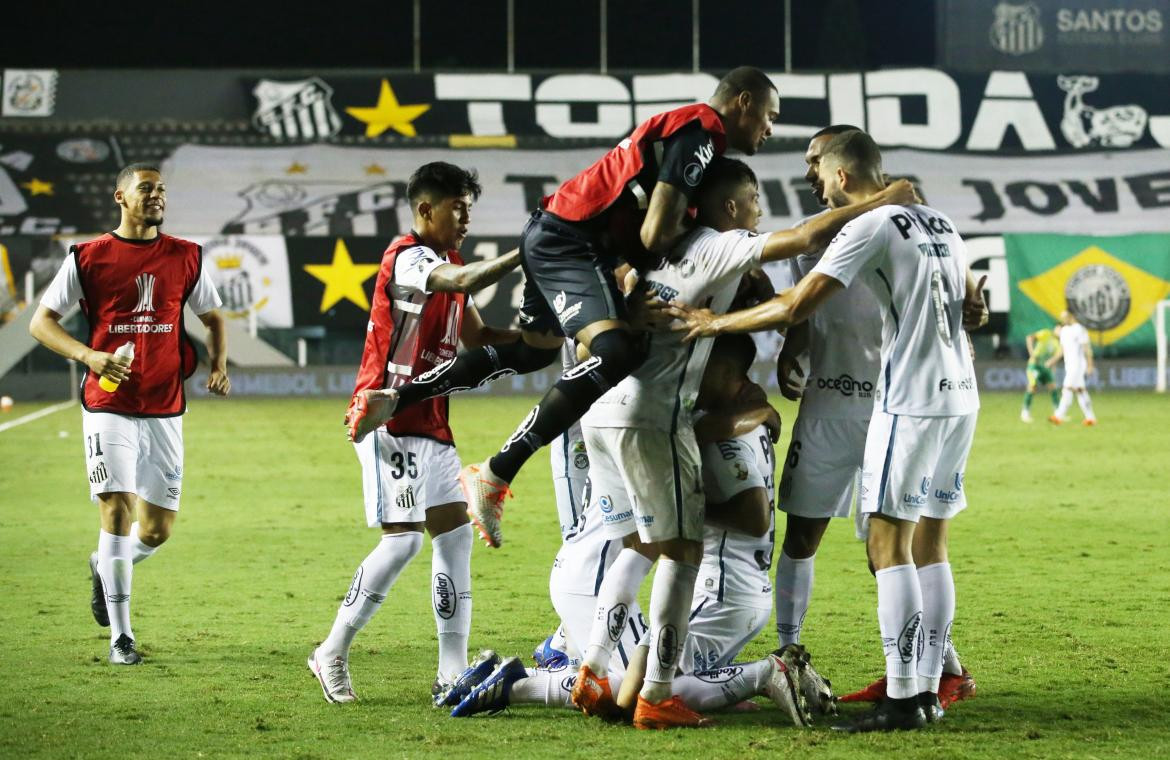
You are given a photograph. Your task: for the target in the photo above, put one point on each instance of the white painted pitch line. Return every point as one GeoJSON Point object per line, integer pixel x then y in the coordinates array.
{"type": "Point", "coordinates": [36, 415]}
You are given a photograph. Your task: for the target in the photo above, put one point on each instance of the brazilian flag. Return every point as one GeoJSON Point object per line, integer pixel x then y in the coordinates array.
{"type": "Point", "coordinates": [1111, 284]}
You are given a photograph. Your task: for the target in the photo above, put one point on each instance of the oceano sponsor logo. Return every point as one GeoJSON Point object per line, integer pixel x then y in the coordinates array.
{"type": "Point", "coordinates": [846, 385]}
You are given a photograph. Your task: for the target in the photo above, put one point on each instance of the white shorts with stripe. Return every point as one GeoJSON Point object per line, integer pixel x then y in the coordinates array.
{"type": "Point", "coordinates": [914, 466]}
{"type": "Point", "coordinates": [822, 467]}
{"type": "Point", "coordinates": [404, 476]}
{"type": "Point", "coordinates": [138, 455]}
{"type": "Point", "coordinates": [719, 631]}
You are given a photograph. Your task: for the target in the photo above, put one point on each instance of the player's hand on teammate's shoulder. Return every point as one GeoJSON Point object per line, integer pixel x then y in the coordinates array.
{"type": "Point", "coordinates": [218, 382]}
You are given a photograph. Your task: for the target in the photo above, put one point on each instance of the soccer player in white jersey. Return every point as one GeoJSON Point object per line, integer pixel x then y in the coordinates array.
{"type": "Point", "coordinates": [1077, 352]}
{"type": "Point", "coordinates": [644, 461]}
{"type": "Point", "coordinates": [925, 405]}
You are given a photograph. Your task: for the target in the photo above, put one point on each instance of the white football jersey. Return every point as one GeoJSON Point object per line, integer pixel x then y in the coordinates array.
{"type": "Point", "coordinates": [1073, 339]}
{"type": "Point", "coordinates": [844, 350]}
{"type": "Point", "coordinates": [916, 266]}
{"type": "Point", "coordinates": [660, 394]}
{"type": "Point", "coordinates": [736, 566]}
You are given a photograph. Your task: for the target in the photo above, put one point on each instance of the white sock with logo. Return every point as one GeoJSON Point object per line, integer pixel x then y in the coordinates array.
{"type": "Point", "coordinates": [723, 687]}
{"type": "Point", "coordinates": [138, 550]}
{"type": "Point", "coordinates": [670, 609]}
{"type": "Point", "coordinates": [794, 583]}
{"type": "Point", "coordinates": [1086, 405]}
{"type": "Point", "coordinates": [618, 592]}
{"type": "Point", "coordinates": [938, 612]}
{"type": "Point", "coordinates": [951, 662]}
{"type": "Point", "coordinates": [899, 618]}
{"type": "Point", "coordinates": [451, 597]}
{"type": "Point", "coordinates": [550, 687]}
{"type": "Point", "coordinates": [116, 569]}
{"type": "Point", "coordinates": [368, 590]}
{"type": "Point", "coordinates": [1066, 399]}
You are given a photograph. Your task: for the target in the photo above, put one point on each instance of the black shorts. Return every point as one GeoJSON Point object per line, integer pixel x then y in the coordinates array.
{"type": "Point", "coordinates": [568, 278]}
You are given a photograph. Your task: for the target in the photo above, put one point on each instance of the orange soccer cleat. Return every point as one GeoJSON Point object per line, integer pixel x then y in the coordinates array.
{"type": "Point", "coordinates": [669, 713]}
{"type": "Point", "coordinates": [485, 494]}
{"type": "Point", "coordinates": [875, 692]}
{"type": "Point", "coordinates": [954, 688]}
{"type": "Point", "coordinates": [593, 695]}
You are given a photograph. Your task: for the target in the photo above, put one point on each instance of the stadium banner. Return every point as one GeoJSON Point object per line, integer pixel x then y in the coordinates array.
{"type": "Point", "coordinates": [251, 274]}
{"type": "Point", "coordinates": [1111, 284]}
{"type": "Point", "coordinates": [1055, 37]}
{"type": "Point", "coordinates": [1078, 106]}
{"type": "Point", "coordinates": [48, 181]}
{"type": "Point", "coordinates": [322, 190]}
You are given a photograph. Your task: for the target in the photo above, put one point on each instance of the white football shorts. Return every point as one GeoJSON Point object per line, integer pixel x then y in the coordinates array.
{"type": "Point", "coordinates": [914, 466]}
{"type": "Point", "coordinates": [719, 631]}
{"type": "Point", "coordinates": [577, 612]}
{"type": "Point", "coordinates": [646, 480]}
{"type": "Point", "coordinates": [139, 455]}
{"type": "Point", "coordinates": [822, 467]}
{"type": "Point", "coordinates": [404, 476]}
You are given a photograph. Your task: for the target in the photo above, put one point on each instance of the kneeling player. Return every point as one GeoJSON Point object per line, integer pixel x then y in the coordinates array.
{"type": "Point", "coordinates": [410, 469]}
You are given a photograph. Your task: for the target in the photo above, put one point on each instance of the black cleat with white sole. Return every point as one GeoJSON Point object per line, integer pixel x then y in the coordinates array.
{"type": "Point", "coordinates": [889, 715]}
{"type": "Point", "coordinates": [122, 652]}
{"type": "Point", "coordinates": [97, 598]}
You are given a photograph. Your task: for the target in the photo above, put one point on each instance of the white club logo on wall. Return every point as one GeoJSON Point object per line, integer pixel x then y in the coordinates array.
{"type": "Point", "coordinates": [301, 110]}
{"type": "Point", "coordinates": [240, 274]}
{"type": "Point", "coordinates": [1098, 296]}
{"type": "Point", "coordinates": [1016, 29]}
{"type": "Point", "coordinates": [29, 92]}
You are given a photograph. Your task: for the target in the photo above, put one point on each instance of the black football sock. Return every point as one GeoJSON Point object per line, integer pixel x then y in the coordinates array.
{"type": "Point", "coordinates": [474, 368]}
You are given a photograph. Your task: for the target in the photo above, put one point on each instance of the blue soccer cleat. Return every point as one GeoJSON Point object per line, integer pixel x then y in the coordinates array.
{"type": "Point", "coordinates": [548, 657]}
{"type": "Point", "coordinates": [449, 695]}
{"type": "Point", "coordinates": [495, 693]}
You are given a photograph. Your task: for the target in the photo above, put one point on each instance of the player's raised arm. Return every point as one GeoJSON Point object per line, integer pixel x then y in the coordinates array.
{"type": "Point", "coordinates": [663, 225]}
{"type": "Point", "coordinates": [468, 278]}
{"type": "Point", "coordinates": [818, 231]}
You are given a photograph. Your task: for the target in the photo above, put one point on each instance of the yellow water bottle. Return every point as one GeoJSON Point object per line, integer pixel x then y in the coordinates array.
{"type": "Point", "coordinates": [125, 350]}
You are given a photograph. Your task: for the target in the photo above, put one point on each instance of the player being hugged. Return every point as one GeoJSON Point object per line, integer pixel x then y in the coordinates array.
{"type": "Point", "coordinates": [410, 469]}
{"type": "Point", "coordinates": [132, 284]}
{"type": "Point", "coordinates": [925, 405]}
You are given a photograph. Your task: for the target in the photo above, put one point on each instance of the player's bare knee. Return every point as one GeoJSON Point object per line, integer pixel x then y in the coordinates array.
{"type": "Point", "coordinates": [802, 536]}
{"type": "Point", "coordinates": [682, 550]}
{"type": "Point", "coordinates": [117, 512]}
{"type": "Point", "coordinates": [446, 518]}
{"type": "Point", "coordinates": [616, 353]}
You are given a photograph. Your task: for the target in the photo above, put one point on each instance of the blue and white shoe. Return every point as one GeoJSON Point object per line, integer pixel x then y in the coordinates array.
{"type": "Point", "coordinates": [495, 693]}
{"type": "Point", "coordinates": [449, 695]}
{"type": "Point", "coordinates": [548, 657]}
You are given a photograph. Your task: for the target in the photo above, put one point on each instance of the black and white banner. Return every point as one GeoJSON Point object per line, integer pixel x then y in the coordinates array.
{"type": "Point", "coordinates": [332, 191]}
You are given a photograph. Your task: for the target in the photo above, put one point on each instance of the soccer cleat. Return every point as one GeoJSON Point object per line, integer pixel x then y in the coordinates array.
{"type": "Point", "coordinates": [485, 496]}
{"type": "Point", "coordinates": [122, 652]}
{"type": "Point", "coordinates": [889, 715]}
{"type": "Point", "coordinates": [97, 599]}
{"type": "Point", "coordinates": [817, 691]}
{"type": "Point", "coordinates": [333, 675]}
{"type": "Point", "coordinates": [593, 696]}
{"type": "Point", "coordinates": [1057, 420]}
{"type": "Point", "coordinates": [451, 694]}
{"type": "Point", "coordinates": [1090, 422]}
{"type": "Point", "coordinates": [370, 410]}
{"type": "Point", "coordinates": [1025, 415]}
{"type": "Point", "coordinates": [548, 657]}
{"type": "Point", "coordinates": [875, 692]}
{"type": "Point", "coordinates": [494, 693]}
{"type": "Point", "coordinates": [954, 688]}
{"type": "Point", "coordinates": [783, 688]}
{"type": "Point", "coordinates": [931, 708]}
{"type": "Point", "coordinates": [669, 713]}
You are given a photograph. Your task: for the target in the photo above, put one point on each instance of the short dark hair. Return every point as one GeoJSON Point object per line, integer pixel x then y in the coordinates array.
{"type": "Point", "coordinates": [723, 175]}
{"type": "Point", "coordinates": [857, 153]}
{"type": "Point", "coordinates": [129, 170]}
{"type": "Point", "coordinates": [737, 349]}
{"type": "Point", "coordinates": [440, 179]}
{"type": "Point", "coordinates": [743, 79]}
{"type": "Point", "coordinates": [835, 129]}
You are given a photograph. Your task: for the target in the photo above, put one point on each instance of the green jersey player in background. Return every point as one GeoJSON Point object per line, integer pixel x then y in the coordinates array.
{"type": "Point", "coordinates": [1042, 346]}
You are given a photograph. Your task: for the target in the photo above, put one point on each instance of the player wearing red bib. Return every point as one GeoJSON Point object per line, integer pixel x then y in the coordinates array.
{"type": "Point", "coordinates": [133, 284]}
{"type": "Point", "coordinates": [631, 204]}
{"type": "Point", "coordinates": [410, 469]}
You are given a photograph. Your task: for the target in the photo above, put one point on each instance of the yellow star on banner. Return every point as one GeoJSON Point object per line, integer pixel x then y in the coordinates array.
{"type": "Point", "coordinates": [38, 187]}
{"type": "Point", "coordinates": [388, 114]}
{"type": "Point", "coordinates": [296, 168]}
{"type": "Point", "coordinates": [375, 169]}
{"type": "Point", "coordinates": [1047, 289]}
{"type": "Point", "coordinates": [342, 278]}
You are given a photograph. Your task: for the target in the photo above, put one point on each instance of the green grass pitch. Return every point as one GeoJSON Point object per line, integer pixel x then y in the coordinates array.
{"type": "Point", "coordinates": [1062, 565]}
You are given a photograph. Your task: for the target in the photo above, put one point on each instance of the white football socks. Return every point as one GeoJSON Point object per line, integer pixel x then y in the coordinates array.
{"type": "Point", "coordinates": [1066, 399]}
{"type": "Point", "coordinates": [723, 687]}
{"type": "Point", "coordinates": [670, 609]}
{"type": "Point", "coordinates": [1086, 405]}
{"type": "Point", "coordinates": [618, 592]}
{"type": "Point", "coordinates": [550, 687]}
{"type": "Point", "coordinates": [116, 568]}
{"type": "Point", "coordinates": [951, 662]}
{"type": "Point", "coordinates": [794, 583]}
{"type": "Point", "coordinates": [138, 550]}
{"type": "Point", "coordinates": [899, 618]}
{"type": "Point", "coordinates": [371, 583]}
{"type": "Point", "coordinates": [938, 613]}
{"type": "Point", "coordinates": [451, 597]}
